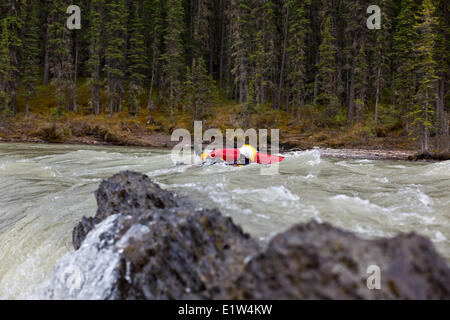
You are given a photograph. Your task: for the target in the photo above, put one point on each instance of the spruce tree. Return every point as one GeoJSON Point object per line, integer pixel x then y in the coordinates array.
{"type": "Point", "coordinates": [31, 52]}
{"type": "Point", "coordinates": [115, 52]}
{"type": "Point", "coordinates": [154, 21]}
{"type": "Point", "coordinates": [259, 63]}
{"type": "Point", "coordinates": [60, 49]}
{"type": "Point", "coordinates": [201, 24]}
{"type": "Point", "coordinates": [136, 59]}
{"type": "Point", "coordinates": [426, 72]}
{"type": "Point", "coordinates": [381, 51]}
{"type": "Point", "coordinates": [11, 43]}
{"type": "Point", "coordinates": [95, 51]}
{"type": "Point", "coordinates": [299, 30]}
{"type": "Point", "coordinates": [241, 22]}
{"type": "Point", "coordinates": [266, 57]}
{"type": "Point", "coordinates": [285, 27]}
{"type": "Point", "coordinates": [174, 55]}
{"type": "Point", "coordinates": [199, 89]}
{"type": "Point", "coordinates": [404, 41]}
{"type": "Point", "coordinates": [442, 57]}
{"type": "Point", "coordinates": [5, 66]}
{"type": "Point", "coordinates": [353, 16]}
{"type": "Point", "coordinates": [361, 81]}
{"type": "Point", "coordinates": [327, 70]}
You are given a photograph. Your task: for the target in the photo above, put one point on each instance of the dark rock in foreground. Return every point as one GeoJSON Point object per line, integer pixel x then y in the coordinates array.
{"type": "Point", "coordinates": [144, 244]}
{"type": "Point", "coordinates": [195, 254]}
{"type": "Point", "coordinates": [159, 249]}
{"type": "Point", "coordinates": [318, 261]}
{"type": "Point", "coordinates": [126, 193]}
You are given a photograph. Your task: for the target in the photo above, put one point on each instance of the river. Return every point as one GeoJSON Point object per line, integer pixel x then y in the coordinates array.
{"type": "Point", "coordinates": [46, 189]}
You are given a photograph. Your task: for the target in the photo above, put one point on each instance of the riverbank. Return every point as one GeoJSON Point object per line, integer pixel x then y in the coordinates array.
{"type": "Point", "coordinates": [154, 140]}
{"type": "Point", "coordinates": [153, 130]}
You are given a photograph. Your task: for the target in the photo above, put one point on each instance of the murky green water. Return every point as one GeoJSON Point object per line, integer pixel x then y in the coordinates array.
{"type": "Point", "coordinates": [46, 189]}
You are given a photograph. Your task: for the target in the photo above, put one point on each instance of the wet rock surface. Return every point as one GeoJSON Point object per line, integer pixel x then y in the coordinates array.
{"type": "Point", "coordinates": [127, 193]}
{"type": "Point", "coordinates": [318, 261]}
{"type": "Point", "coordinates": [157, 249]}
{"type": "Point", "coordinates": [145, 243]}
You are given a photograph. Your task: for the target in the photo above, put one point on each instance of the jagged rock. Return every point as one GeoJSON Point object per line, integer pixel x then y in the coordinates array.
{"type": "Point", "coordinates": [151, 247]}
{"type": "Point", "coordinates": [126, 192]}
{"type": "Point", "coordinates": [184, 256]}
{"type": "Point", "coordinates": [318, 261]}
{"type": "Point", "coordinates": [145, 243]}
{"type": "Point", "coordinates": [82, 229]}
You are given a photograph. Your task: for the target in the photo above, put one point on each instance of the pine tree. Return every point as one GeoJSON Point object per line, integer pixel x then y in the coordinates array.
{"type": "Point", "coordinates": [11, 43]}
{"type": "Point", "coordinates": [95, 51]}
{"type": "Point", "coordinates": [285, 27]}
{"type": "Point", "coordinates": [442, 57]}
{"type": "Point", "coordinates": [199, 88]}
{"type": "Point", "coordinates": [327, 70]}
{"type": "Point", "coordinates": [31, 51]}
{"type": "Point", "coordinates": [426, 71]}
{"type": "Point", "coordinates": [299, 29]}
{"type": "Point", "coordinates": [241, 20]}
{"type": "Point", "coordinates": [257, 83]}
{"type": "Point", "coordinates": [201, 25]}
{"type": "Point", "coordinates": [115, 55]}
{"type": "Point", "coordinates": [381, 51]}
{"type": "Point", "coordinates": [44, 14]}
{"type": "Point", "coordinates": [355, 56]}
{"type": "Point", "coordinates": [266, 57]}
{"type": "Point", "coordinates": [136, 59]}
{"type": "Point", "coordinates": [5, 67]}
{"type": "Point", "coordinates": [224, 45]}
{"type": "Point", "coordinates": [76, 42]}
{"type": "Point", "coordinates": [173, 56]}
{"type": "Point", "coordinates": [60, 48]}
{"type": "Point", "coordinates": [404, 42]}
{"type": "Point", "coordinates": [361, 80]}
{"type": "Point", "coordinates": [154, 10]}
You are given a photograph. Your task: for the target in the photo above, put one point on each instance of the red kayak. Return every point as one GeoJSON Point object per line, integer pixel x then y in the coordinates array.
{"type": "Point", "coordinates": [263, 158]}
{"type": "Point", "coordinates": [228, 155]}
{"type": "Point", "coordinates": [233, 155]}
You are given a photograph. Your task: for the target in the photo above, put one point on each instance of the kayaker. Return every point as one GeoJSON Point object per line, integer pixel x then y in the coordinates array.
{"type": "Point", "coordinates": [245, 155]}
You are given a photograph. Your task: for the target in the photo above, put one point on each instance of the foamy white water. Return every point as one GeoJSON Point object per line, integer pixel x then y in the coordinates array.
{"type": "Point", "coordinates": [46, 189]}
